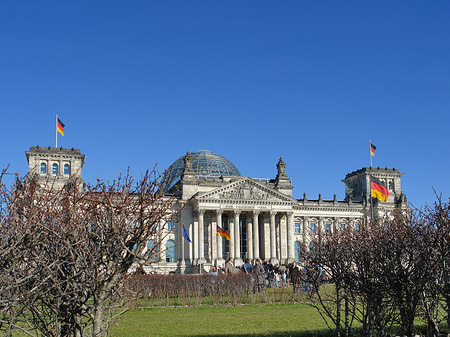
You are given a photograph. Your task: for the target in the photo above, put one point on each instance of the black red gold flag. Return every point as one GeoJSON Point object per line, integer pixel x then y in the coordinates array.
{"type": "Point", "coordinates": [378, 190]}
{"type": "Point", "coordinates": [372, 149]}
{"type": "Point", "coordinates": [60, 127]}
{"type": "Point", "coordinates": [221, 232]}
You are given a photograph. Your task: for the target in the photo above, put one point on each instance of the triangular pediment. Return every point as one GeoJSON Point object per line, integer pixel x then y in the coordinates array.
{"type": "Point", "coordinates": [244, 189]}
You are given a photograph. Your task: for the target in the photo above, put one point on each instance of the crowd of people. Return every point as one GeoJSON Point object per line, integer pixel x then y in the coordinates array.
{"type": "Point", "coordinates": [268, 275]}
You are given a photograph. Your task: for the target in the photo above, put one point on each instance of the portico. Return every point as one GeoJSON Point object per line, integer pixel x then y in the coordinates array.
{"type": "Point", "coordinates": [247, 228]}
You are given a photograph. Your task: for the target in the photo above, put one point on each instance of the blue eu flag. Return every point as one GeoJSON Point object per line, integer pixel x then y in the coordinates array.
{"type": "Point", "coordinates": [185, 234]}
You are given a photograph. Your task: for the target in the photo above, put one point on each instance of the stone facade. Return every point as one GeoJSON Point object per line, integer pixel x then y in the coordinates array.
{"type": "Point", "coordinates": [55, 166]}
{"type": "Point", "coordinates": [263, 219]}
{"type": "Point", "coordinates": [261, 216]}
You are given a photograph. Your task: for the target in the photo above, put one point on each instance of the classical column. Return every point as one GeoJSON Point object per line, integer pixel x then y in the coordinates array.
{"type": "Point", "coordinates": [282, 239]}
{"type": "Point", "coordinates": [255, 235]}
{"type": "Point", "coordinates": [231, 242]}
{"type": "Point", "coordinates": [249, 239]}
{"type": "Point", "coordinates": [220, 261]}
{"type": "Point", "coordinates": [237, 237]}
{"type": "Point", "coordinates": [321, 229]}
{"type": "Point", "coordinates": [273, 247]}
{"type": "Point", "coordinates": [182, 261]}
{"type": "Point", "coordinates": [201, 232]}
{"type": "Point", "coordinates": [195, 241]}
{"type": "Point", "coordinates": [305, 231]}
{"type": "Point", "coordinates": [213, 241]}
{"type": "Point", "coordinates": [290, 237]}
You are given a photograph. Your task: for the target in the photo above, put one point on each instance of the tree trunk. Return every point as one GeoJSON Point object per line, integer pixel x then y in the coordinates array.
{"type": "Point", "coordinates": [98, 321]}
{"type": "Point", "coordinates": [346, 320]}
{"type": "Point", "coordinates": [338, 314]}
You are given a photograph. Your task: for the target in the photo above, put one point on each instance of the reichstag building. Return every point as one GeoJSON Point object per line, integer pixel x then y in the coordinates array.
{"type": "Point", "coordinates": [261, 217]}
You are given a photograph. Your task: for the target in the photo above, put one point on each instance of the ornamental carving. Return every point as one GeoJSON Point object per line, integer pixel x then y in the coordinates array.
{"type": "Point", "coordinates": [245, 192]}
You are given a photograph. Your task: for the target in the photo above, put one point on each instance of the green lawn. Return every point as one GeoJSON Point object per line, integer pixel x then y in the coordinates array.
{"type": "Point", "coordinates": [243, 320]}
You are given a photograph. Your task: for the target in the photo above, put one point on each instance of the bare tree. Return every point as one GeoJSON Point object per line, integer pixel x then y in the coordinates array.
{"type": "Point", "coordinates": [409, 265]}
{"type": "Point", "coordinates": [375, 310]}
{"type": "Point", "coordinates": [436, 220]}
{"type": "Point", "coordinates": [81, 245]}
{"type": "Point", "coordinates": [332, 254]}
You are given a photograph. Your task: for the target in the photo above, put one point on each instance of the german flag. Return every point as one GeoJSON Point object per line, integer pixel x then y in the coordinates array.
{"type": "Point", "coordinates": [378, 190]}
{"type": "Point", "coordinates": [372, 150]}
{"type": "Point", "coordinates": [221, 232]}
{"type": "Point", "coordinates": [60, 127]}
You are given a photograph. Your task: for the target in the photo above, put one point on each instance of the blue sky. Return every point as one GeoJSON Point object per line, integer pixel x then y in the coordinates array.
{"type": "Point", "coordinates": [140, 82]}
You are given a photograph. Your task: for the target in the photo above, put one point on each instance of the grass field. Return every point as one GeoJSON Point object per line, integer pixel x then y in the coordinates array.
{"type": "Point", "coordinates": [244, 320]}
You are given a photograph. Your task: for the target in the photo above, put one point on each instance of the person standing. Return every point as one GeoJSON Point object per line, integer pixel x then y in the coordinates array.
{"type": "Point", "coordinates": [247, 267]}
{"type": "Point", "coordinates": [229, 266]}
{"type": "Point", "coordinates": [277, 278]}
{"type": "Point", "coordinates": [284, 279]}
{"type": "Point", "coordinates": [259, 271]}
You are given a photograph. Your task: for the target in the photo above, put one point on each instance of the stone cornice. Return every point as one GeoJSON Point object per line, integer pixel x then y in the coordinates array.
{"type": "Point", "coordinates": [245, 189]}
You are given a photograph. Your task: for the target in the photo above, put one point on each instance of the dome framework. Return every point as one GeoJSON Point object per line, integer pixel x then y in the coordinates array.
{"type": "Point", "coordinates": [206, 165]}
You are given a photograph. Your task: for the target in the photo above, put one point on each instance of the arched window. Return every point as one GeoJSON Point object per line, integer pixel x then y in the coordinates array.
{"type": "Point", "coordinates": [55, 169]}
{"type": "Point", "coordinates": [44, 168]}
{"type": "Point", "coordinates": [152, 252]}
{"type": "Point", "coordinates": [67, 169]}
{"type": "Point", "coordinates": [170, 251]}
{"type": "Point", "coordinates": [297, 250]}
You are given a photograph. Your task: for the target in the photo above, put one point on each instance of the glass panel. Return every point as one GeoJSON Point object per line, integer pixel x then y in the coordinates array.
{"type": "Point", "coordinates": [43, 168]}
{"type": "Point", "coordinates": [297, 228]}
{"type": "Point", "coordinates": [67, 169]}
{"type": "Point", "coordinates": [55, 169]}
{"type": "Point", "coordinates": [206, 165]}
{"type": "Point", "coordinates": [170, 226]}
{"type": "Point", "coordinates": [298, 250]}
{"type": "Point", "coordinates": [243, 238]}
{"type": "Point", "coordinates": [152, 252]}
{"type": "Point", "coordinates": [313, 228]}
{"type": "Point", "coordinates": [170, 251]}
{"type": "Point", "coordinates": [225, 242]}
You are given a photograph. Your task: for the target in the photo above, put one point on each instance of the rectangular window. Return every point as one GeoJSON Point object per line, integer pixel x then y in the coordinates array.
{"type": "Point", "coordinates": [328, 227]}
{"type": "Point", "coordinates": [297, 228]}
{"type": "Point", "coordinates": [170, 226]}
{"type": "Point", "coordinates": [312, 226]}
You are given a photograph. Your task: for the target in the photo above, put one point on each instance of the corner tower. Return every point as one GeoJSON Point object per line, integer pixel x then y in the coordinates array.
{"type": "Point", "coordinates": [357, 184]}
{"type": "Point", "coordinates": [57, 166]}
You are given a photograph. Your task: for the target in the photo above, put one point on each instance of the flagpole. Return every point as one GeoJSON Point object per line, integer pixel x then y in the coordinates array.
{"type": "Point", "coordinates": [371, 199]}
{"type": "Point", "coordinates": [370, 180]}
{"type": "Point", "coordinates": [56, 132]}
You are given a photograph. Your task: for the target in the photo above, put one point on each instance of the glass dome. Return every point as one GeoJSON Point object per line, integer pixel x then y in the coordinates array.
{"type": "Point", "coordinates": [206, 165]}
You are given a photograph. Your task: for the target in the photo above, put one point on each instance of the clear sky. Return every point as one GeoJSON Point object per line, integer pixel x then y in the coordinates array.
{"type": "Point", "coordinates": [140, 82]}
